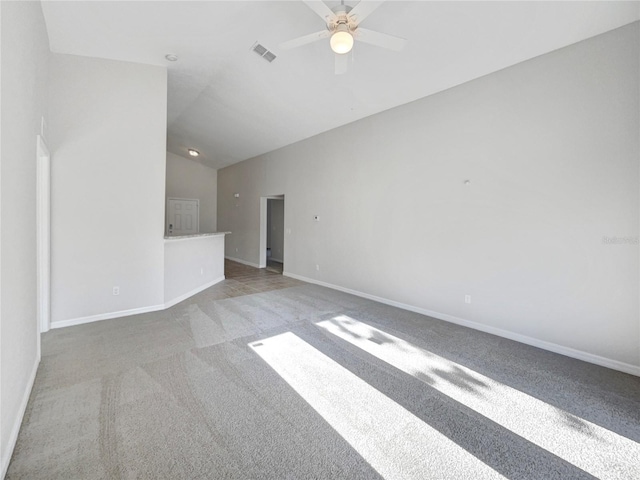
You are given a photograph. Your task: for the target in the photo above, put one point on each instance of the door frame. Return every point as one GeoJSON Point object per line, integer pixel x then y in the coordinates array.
{"type": "Point", "coordinates": [43, 229]}
{"type": "Point", "coordinates": [262, 258]}
{"type": "Point", "coordinates": [166, 225]}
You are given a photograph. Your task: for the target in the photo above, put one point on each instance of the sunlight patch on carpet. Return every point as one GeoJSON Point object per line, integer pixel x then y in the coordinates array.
{"type": "Point", "coordinates": [395, 442]}
{"type": "Point", "coordinates": [586, 445]}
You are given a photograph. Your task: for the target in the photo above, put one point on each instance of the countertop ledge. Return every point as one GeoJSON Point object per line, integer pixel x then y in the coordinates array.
{"type": "Point", "coordinates": [195, 235]}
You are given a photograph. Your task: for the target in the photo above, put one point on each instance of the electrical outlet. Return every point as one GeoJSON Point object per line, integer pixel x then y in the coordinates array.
{"type": "Point", "coordinates": [467, 299]}
{"type": "Point", "coordinates": [201, 270]}
{"type": "Point", "coordinates": [318, 268]}
{"type": "Point", "coordinates": [236, 250]}
{"type": "Point", "coordinates": [116, 290]}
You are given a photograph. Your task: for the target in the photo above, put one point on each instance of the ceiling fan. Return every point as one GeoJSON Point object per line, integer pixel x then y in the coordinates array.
{"type": "Point", "coordinates": [343, 27]}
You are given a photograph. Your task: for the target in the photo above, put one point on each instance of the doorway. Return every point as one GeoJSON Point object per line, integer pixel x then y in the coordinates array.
{"type": "Point", "coordinates": [272, 233]}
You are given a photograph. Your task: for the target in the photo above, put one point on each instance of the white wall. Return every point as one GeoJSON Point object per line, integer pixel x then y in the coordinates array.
{"type": "Point", "coordinates": [551, 149]}
{"type": "Point", "coordinates": [24, 62]}
{"type": "Point", "coordinates": [191, 265]}
{"type": "Point", "coordinates": [275, 228]}
{"type": "Point", "coordinates": [189, 179]}
{"type": "Point", "coordinates": [108, 146]}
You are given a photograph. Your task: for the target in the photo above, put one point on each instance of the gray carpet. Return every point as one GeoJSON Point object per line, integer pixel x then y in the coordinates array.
{"type": "Point", "coordinates": [306, 383]}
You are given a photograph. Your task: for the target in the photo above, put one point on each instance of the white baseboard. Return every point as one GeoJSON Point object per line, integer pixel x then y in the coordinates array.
{"type": "Point", "coordinates": [13, 437]}
{"type": "Point", "coordinates": [244, 262]}
{"type": "Point", "coordinates": [105, 316]}
{"type": "Point", "coordinates": [273, 259]}
{"type": "Point", "coordinates": [552, 347]}
{"type": "Point", "coordinates": [184, 296]}
{"type": "Point", "coordinates": [134, 311]}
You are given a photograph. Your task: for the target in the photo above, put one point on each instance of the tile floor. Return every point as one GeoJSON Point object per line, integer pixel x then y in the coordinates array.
{"type": "Point", "coordinates": [245, 280]}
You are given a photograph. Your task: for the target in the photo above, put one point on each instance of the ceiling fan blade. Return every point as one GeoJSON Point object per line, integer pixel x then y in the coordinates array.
{"type": "Point", "coordinates": [380, 39]}
{"type": "Point", "coordinates": [298, 42]}
{"type": "Point", "coordinates": [342, 62]}
{"type": "Point", "coordinates": [320, 8]}
{"type": "Point", "coordinates": [363, 9]}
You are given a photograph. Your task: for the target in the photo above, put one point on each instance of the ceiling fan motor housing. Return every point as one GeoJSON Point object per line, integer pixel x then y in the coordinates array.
{"type": "Point", "coordinates": [341, 19]}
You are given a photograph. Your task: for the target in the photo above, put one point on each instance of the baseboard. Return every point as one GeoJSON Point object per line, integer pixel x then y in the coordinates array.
{"type": "Point", "coordinates": [105, 316]}
{"type": "Point", "coordinates": [279, 260]}
{"type": "Point", "coordinates": [534, 342]}
{"type": "Point", "coordinates": [134, 311]}
{"type": "Point", "coordinates": [184, 296]}
{"type": "Point", "coordinates": [15, 430]}
{"type": "Point", "coordinates": [244, 262]}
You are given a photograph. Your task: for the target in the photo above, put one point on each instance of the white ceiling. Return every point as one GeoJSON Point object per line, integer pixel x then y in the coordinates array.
{"type": "Point", "coordinates": [230, 104]}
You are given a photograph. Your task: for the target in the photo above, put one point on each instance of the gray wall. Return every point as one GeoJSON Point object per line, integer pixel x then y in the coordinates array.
{"type": "Point", "coordinates": [24, 63]}
{"type": "Point", "coordinates": [275, 228]}
{"type": "Point", "coordinates": [550, 147]}
{"type": "Point", "coordinates": [189, 179]}
{"type": "Point", "coordinates": [108, 145]}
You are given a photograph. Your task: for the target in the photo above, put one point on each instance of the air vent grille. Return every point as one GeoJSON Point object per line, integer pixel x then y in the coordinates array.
{"type": "Point", "coordinates": [263, 52]}
{"type": "Point", "coordinates": [259, 49]}
{"type": "Point", "coordinates": [269, 56]}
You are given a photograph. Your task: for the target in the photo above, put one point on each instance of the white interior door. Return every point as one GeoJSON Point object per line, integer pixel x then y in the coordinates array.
{"type": "Point", "coordinates": [183, 216]}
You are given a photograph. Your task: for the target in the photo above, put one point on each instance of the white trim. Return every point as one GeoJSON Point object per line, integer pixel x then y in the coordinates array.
{"type": "Point", "coordinates": [552, 347]}
{"type": "Point", "coordinates": [13, 437]}
{"type": "Point", "coordinates": [264, 206]}
{"type": "Point", "coordinates": [105, 316]}
{"type": "Point", "coordinates": [244, 262]}
{"type": "Point", "coordinates": [43, 232]}
{"type": "Point", "coordinates": [184, 296]}
{"type": "Point", "coordinates": [279, 260]}
{"type": "Point", "coordinates": [134, 311]}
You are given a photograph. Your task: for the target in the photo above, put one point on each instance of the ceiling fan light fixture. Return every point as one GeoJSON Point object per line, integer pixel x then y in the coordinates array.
{"type": "Point", "coordinates": [341, 40]}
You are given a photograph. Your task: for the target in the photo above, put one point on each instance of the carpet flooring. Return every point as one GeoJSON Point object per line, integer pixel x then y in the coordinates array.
{"type": "Point", "coordinates": [264, 377]}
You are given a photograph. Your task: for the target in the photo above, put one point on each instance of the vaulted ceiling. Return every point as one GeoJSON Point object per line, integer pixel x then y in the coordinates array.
{"type": "Point", "coordinates": [230, 104]}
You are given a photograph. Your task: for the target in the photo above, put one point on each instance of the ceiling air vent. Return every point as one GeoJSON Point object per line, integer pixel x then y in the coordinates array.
{"type": "Point", "coordinates": [263, 52]}
{"type": "Point", "coordinates": [269, 56]}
